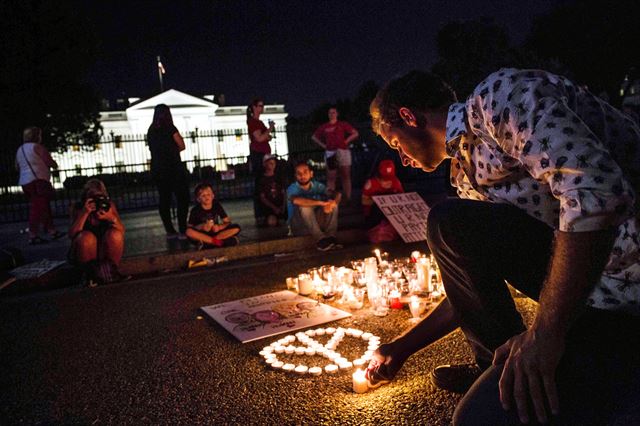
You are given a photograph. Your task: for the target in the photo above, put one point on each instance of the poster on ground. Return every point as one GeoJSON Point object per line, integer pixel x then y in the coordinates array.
{"type": "Point", "coordinates": [270, 314]}
{"type": "Point", "coordinates": [407, 213]}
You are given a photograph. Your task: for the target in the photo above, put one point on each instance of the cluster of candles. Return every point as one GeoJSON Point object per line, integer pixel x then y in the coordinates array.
{"type": "Point", "coordinates": [387, 284]}
{"type": "Point", "coordinates": [328, 350]}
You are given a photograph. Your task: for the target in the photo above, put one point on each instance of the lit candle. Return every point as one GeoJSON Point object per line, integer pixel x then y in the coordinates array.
{"type": "Point", "coordinates": [366, 336]}
{"type": "Point", "coordinates": [299, 350]}
{"type": "Point", "coordinates": [377, 253]}
{"type": "Point", "coordinates": [330, 330]}
{"type": "Point", "coordinates": [279, 349]}
{"type": "Point", "coordinates": [277, 365]}
{"type": "Point", "coordinates": [288, 367]}
{"type": "Point", "coordinates": [310, 351]}
{"type": "Point", "coordinates": [395, 302]}
{"type": "Point", "coordinates": [289, 349]}
{"type": "Point", "coordinates": [320, 331]}
{"type": "Point", "coordinates": [357, 333]}
{"type": "Point", "coordinates": [360, 384]}
{"type": "Point", "coordinates": [310, 333]}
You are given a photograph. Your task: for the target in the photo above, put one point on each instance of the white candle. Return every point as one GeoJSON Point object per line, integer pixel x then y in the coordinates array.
{"type": "Point", "coordinates": [310, 333]}
{"type": "Point", "coordinates": [357, 333]}
{"type": "Point", "coordinates": [315, 371]}
{"type": "Point", "coordinates": [345, 365]}
{"type": "Point", "coordinates": [360, 384]}
{"type": "Point", "coordinates": [320, 331]}
{"type": "Point", "coordinates": [359, 362]}
{"type": "Point", "coordinates": [377, 252]}
{"type": "Point", "coordinates": [331, 368]}
{"type": "Point", "coordinates": [271, 360]}
{"type": "Point", "coordinates": [290, 338]}
{"type": "Point", "coordinates": [290, 349]}
{"type": "Point", "coordinates": [309, 351]}
{"type": "Point", "coordinates": [277, 365]}
{"type": "Point", "coordinates": [299, 350]}
{"type": "Point", "coordinates": [330, 330]}
{"type": "Point", "coordinates": [288, 367]}
{"type": "Point", "coordinates": [301, 369]}
{"type": "Point", "coordinates": [366, 336]}
{"type": "Point", "coordinates": [279, 349]}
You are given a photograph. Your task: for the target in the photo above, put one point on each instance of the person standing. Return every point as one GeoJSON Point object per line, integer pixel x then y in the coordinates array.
{"type": "Point", "coordinates": [335, 137]}
{"type": "Point", "coordinates": [168, 171]}
{"type": "Point", "coordinates": [259, 136]}
{"type": "Point", "coordinates": [33, 161]}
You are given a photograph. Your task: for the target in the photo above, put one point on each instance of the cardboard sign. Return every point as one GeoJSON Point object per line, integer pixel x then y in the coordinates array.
{"type": "Point", "coordinates": [266, 315]}
{"type": "Point", "coordinates": [407, 213]}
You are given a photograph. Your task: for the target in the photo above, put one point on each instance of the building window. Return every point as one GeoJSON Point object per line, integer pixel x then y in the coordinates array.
{"type": "Point", "coordinates": [238, 135]}
{"type": "Point", "coordinates": [56, 175]}
{"type": "Point", "coordinates": [98, 168]}
{"type": "Point", "coordinates": [78, 169]}
{"type": "Point", "coordinates": [98, 146]}
{"type": "Point", "coordinates": [220, 135]}
{"type": "Point", "coordinates": [118, 141]}
{"type": "Point", "coordinates": [120, 167]}
{"type": "Point", "coordinates": [75, 147]}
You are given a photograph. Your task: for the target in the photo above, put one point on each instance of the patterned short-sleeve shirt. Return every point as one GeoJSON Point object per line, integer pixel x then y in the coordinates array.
{"type": "Point", "coordinates": [536, 140]}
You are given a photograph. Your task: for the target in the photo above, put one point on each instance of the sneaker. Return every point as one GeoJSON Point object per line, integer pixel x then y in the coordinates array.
{"type": "Point", "coordinates": [335, 245]}
{"type": "Point", "coordinates": [455, 378]}
{"type": "Point", "coordinates": [324, 244]}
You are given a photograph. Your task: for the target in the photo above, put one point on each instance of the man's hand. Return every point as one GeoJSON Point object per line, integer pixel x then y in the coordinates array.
{"type": "Point", "coordinates": [108, 215]}
{"type": "Point", "coordinates": [328, 206]}
{"type": "Point", "coordinates": [530, 361]}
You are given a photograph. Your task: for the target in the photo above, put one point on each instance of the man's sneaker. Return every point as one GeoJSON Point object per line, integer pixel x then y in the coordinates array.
{"type": "Point", "coordinates": [455, 378]}
{"type": "Point", "coordinates": [335, 245]}
{"type": "Point", "coordinates": [324, 244]}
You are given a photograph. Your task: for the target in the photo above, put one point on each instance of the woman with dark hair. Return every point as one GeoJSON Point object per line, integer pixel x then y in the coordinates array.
{"type": "Point", "coordinates": [33, 161]}
{"type": "Point", "coordinates": [170, 175]}
{"type": "Point", "coordinates": [259, 135]}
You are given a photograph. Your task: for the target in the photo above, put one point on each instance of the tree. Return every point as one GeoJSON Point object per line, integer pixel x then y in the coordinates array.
{"type": "Point", "coordinates": [469, 51]}
{"type": "Point", "coordinates": [47, 48]}
{"type": "Point", "coordinates": [596, 41]}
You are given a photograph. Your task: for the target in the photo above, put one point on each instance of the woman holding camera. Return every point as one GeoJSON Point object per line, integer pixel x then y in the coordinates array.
{"type": "Point", "coordinates": [96, 232]}
{"type": "Point", "coordinates": [259, 135]}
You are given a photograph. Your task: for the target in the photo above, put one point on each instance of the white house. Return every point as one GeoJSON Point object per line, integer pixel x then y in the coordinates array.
{"type": "Point", "coordinates": [210, 132]}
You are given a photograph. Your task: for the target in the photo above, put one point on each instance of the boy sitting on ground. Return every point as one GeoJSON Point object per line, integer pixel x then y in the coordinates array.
{"type": "Point", "coordinates": [208, 224]}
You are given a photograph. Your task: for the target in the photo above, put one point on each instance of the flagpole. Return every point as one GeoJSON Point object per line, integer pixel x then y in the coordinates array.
{"type": "Point", "coordinates": [160, 72]}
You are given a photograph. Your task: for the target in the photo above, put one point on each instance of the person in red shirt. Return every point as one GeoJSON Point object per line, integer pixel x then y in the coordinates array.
{"type": "Point", "coordinates": [385, 182]}
{"type": "Point", "coordinates": [335, 137]}
{"type": "Point", "coordinates": [259, 135]}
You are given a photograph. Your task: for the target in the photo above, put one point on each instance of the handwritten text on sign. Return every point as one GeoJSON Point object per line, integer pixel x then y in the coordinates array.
{"type": "Point", "coordinates": [407, 213]}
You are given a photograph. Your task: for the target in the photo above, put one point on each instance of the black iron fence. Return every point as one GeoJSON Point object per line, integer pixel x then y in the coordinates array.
{"type": "Point", "coordinates": [124, 168]}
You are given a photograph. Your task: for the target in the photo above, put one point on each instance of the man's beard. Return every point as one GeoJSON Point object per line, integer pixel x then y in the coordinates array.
{"type": "Point", "coordinates": [304, 183]}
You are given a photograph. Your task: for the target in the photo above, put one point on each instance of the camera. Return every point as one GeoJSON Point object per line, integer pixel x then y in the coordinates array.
{"type": "Point", "coordinates": [102, 203]}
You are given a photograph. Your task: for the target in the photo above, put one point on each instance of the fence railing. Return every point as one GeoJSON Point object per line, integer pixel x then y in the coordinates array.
{"type": "Point", "coordinates": [130, 184]}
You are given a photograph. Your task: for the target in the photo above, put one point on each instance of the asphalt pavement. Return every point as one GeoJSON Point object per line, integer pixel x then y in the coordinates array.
{"type": "Point", "coordinates": [142, 353]}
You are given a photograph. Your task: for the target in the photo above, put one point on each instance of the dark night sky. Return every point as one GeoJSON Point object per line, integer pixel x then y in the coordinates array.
{"type": "Point", "coordinates": [300, 53]}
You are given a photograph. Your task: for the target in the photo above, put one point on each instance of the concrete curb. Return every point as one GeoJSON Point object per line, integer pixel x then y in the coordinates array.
{"type": "Point", "coordinates": [149, 264]}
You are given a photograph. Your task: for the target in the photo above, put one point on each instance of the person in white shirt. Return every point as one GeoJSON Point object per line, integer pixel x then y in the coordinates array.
{"type": "Point", "coordinates": [33, 162]}
{"type": "Point", "coordinates": [547, 173]}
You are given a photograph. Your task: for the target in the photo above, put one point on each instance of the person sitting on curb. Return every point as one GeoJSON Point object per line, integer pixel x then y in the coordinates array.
{"type": "Point", "coordinates": [547, 173]}
{"type": "Point", "coordinates": [208, 224]}
{"type": "Point", "coordinates": [97, 235]}
{"type": "Point", "coordinates": [385, 182]}
{"type": "Point", "coordinates": [270, 192]}
{"type": "Point", "coordinates": [311, 209]}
